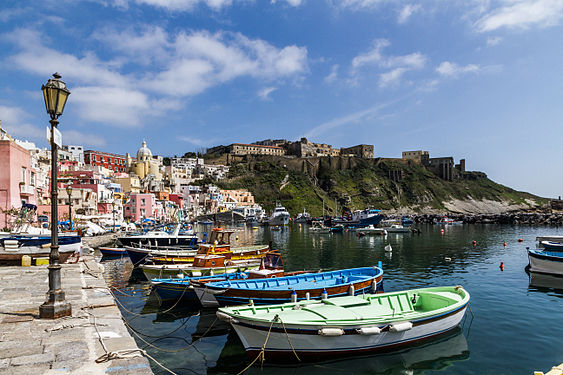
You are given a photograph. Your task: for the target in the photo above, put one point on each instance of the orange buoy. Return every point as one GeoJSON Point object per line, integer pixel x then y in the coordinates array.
{"type": "Point", "coordinates": [520, 240]}
{"type": "Point", "coordinates": [504, 243]}
{"type": "Point", "coordinates": [474, 243]}
{"type": "Point", "coordinates": [501, 266]}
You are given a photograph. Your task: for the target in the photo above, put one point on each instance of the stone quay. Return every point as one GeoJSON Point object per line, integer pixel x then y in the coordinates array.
{"type": "Point", "coordinates": [94, 340]}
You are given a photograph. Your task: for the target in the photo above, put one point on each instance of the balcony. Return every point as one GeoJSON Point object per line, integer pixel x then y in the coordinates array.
{"type": "Point", "coordinates": [27, 190]}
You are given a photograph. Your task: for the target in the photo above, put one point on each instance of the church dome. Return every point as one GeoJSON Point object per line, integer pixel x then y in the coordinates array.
{"type": "Point", "coordinates": [144, 153]}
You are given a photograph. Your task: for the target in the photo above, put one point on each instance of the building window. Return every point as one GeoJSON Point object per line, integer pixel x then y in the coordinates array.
{"type": "Point", "coordinates": [142, 201]}
{"type": "Point", "coordinates": [23, 174]}
{"type": "Point", "coordinates": [32, 179]}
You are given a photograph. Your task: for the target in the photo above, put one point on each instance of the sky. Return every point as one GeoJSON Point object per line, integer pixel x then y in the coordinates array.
{"type": "Point", "coordinates": [475, 79]}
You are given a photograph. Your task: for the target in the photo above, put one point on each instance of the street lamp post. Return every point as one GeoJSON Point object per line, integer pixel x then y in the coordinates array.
{"type": "Point", "coordinates": [55, 94]}
{"type": "Point", "coordinates": [113, 213]}
{"type": "Point", "coordinates": [69, 192]}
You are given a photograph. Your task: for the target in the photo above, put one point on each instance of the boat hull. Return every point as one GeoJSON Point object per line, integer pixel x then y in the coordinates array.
{"type": "Point", "coordinates": [279, 220]}
{"type": "Point", "coordinates": [552, 246]}
{"type": "Point", "coordinates": [546, 262]}
{"type": "Point", "coordinates": [191, 241]}
{"type": "Point", "coordinates": [38, 246]}
{"type": "Point", "coordinates": [113, 251]}
{"type": "Point", "coordinates": [172, 271]}
{"type": "Point", "coordinates": [309, 345]}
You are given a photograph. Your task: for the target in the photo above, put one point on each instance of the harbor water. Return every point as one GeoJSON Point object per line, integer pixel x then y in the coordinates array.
{"type": "Point", "coordinates": [513, 326]}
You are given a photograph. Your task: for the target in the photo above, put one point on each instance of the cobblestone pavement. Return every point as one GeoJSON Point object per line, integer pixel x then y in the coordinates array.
{"type": "Point", "coordinates": [71, 345]}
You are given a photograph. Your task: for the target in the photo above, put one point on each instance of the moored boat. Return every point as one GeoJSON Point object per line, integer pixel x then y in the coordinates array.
{"type": "Point", "coordinates": [397, 228]}
{"type": "Point", "coordinates": [552, 245]}
{"type": "Point", "coordinates": [13, 248]}
{"type": "Point", "coordinates": [280, 216]}
{"type": "Point", "coordinates": [310, 330]}
{"type": "Point", "coordinates": [370, 229]}
{"type": "Point", "coordinates": [160, 238]}
{"type": "Point", "coordinates": [546, 261]}
{"type": "Point", "coordinates": [305, 286]}
{"type": "Point", "coordinates": [113, 251]}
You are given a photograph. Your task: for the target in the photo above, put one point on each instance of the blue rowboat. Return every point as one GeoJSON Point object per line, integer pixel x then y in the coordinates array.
{"type": "Point", "coordinates": [175, 289]}
{"type": "Point", "coordinates": [113, 251]}
{"type": "Point", "coordinates": [552, 246]}
{"type": "Point", "coordinates": [285, 289]}
{"type": "Point", "coordinates": [546, 261]}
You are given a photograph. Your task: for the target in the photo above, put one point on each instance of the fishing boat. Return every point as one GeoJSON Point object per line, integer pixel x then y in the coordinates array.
{"type": "Point", "coordinates": [319, 227]}
{"type": "Point", "coordinates": [310, 330]}
{"type": "Point", "coordinates": [338, 228]}
{"type": "Point", "coordinates": [552, 245]}
{"type": "Point", "coordinates": [160, 238]}
{"type": "Point", "coordinates": [370, 229]}
{"type": "Point", "coordinates": [367, 217]}
{"type": "Point", "coordinates": [113, 251]}
{"type": "Point", "coordinates": [397, 228]}
{"type": "Point", "coordinates": [546, 261]}
{"type": "Point", "coordinates": [302, 217]}
{"type": "Point", "coordinates": [14, 247]}
{"type": "Point", "coordinates": [173, 289]}
{"type": "Point", "coordinates": [300, 287]}
{"type": "Point", "coordinates": [280, 216]}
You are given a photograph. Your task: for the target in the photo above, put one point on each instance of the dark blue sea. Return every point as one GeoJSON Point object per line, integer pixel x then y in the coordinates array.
{"type": "Point", "coordinates": [515, 325]}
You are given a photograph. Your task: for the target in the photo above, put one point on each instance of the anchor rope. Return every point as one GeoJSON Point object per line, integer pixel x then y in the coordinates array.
{"type": "Point", "coordinates": [262, 353]}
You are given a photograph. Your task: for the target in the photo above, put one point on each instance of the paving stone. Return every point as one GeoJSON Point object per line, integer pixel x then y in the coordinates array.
{"type": "Point", "coordinates": [10, 349]}
{"type": "Point", "coordinates": [4, 363]}
{"type": "Point", "coordinates": [34, 359]}
{"type": "Point", "coordinates": [26, 370]}
{"type": "Point", "coordinates": [17, 318]}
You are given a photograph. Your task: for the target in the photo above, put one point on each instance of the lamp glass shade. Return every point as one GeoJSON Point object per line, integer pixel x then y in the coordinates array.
{"type": "Point", "coordinates": [69, 190]}
{"type": "Point", "coordinates": [55, 95]}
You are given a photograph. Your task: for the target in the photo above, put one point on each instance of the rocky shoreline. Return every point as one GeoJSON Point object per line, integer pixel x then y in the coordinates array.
{"type": "Point", "coordinates": [554, 219]}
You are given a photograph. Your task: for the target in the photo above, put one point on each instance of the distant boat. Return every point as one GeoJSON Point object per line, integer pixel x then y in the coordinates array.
{"type": "Point", "coordinates": [318, 227]}
{"type": "Point", "coordinates": [546, 261]}
{"type": "Point", "coordinates": [370, 229]}
{"type": "Point", "coordinates": [552, 246]}
{"type": "Point", "coordinates": [397, 228]}
{"type": "Point", "coordinates": [302, 217]}
{"type": "Point", "coordinates": [407, 221]}
{"type": "Point", "coordinates": [160, 238]}
{"type": "Point", "coordinates": [367, 217]}
{"type": "Point", "coordinates": [280, 216]}
{"type": "Point", "coordinates": [338, 228]}
{"type": "Point", "coordinates": [449, 221]}
{"type": "Point", "coordinates": [346, 325]}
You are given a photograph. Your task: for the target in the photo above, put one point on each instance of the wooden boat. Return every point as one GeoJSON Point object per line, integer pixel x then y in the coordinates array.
{"type": "Point", "coordinates": [546, 261]}
{"type": "Point", "coordinates": [347, 325]}
{"type": "Point", "coordinates": [203, 265]}
{"type": "Point", "coordinates": [552, 245]}
{"type": "Point", "coordinates": [282, 289]}
{"type": "Point", "coordinates": [174, 289]}
{"type": "Point", "coordinates": [14, 247]}
{"type": "Point", "coordinates": [219, 242]}
{"type": "Point", "coordinates": [113, 251]}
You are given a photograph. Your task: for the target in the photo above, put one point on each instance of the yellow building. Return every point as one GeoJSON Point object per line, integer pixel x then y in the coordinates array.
{"type": "Point", "coordinates": [145, 164]}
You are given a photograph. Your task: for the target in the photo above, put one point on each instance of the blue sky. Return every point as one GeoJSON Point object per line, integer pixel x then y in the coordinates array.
{"type": "Point", "coordinates": [480, 80]}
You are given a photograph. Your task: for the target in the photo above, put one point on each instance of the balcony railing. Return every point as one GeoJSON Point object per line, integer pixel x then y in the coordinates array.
{"type": "Point", "coordinates": [27, 190]}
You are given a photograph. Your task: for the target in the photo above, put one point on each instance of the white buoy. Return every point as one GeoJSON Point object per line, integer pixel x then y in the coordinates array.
{"type": "Point", "coordinates": [374, 286]}
{"type": "Point", "coordinates": [307, 296]}
{"type": "Point", "coordinates": [351, 290]}
{"type": "Point", "coordinates": [388, 248]}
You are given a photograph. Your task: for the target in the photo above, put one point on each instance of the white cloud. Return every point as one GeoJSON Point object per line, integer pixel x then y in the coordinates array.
{"type": "Point", "coordinates": [360, 4]}
{"type": "Point", "coordinates": [294, 3]}
{"type": "Point", "coordinates": [522, 14]}
{"type": "Point", "coordinates": [398, 65]}
{"type": "Point", "coordinates": [333, 74]}
{"type": "Point", "coordinates": [391, 77]}
{"type": "Point", "coordinates": [111, 105]}
{"type": "Point", "coordinates": [77, 137]}
{"type": "Point", "coordinates": [264, 94]}
{"type": "Point", "coordinates": [198, 141]}
{"type": "Point", "coordinates": [356, 117]}
{"type": "Point", "coordinates": [493, 41]}
{"type": "Point", "coordinates": [407, 12]}
{"type": "Point", "coordinates": [186, 5]}
{"type": "Point", "coordinates": [449, 69]}
{"type": "Point", "coordinates": [15, 122]}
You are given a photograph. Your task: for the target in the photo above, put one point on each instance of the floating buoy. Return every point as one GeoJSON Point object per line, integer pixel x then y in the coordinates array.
{"type": "Point", "coordinates": [448, 259]}
{"type": "Point", "coordinates": [442, 231]}
{"type": "Point", "coordinates": [474, 243]}
{"type": "Point", "coordinates": [504, 243]}
{"type": "Point", "coordinates": [520, 240]}
{"type": "Point", "coordinates": [501, 266]}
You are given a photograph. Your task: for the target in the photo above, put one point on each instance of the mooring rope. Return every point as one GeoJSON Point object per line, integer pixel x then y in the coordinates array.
{"type": "Point", "coordinates": [262, 353]}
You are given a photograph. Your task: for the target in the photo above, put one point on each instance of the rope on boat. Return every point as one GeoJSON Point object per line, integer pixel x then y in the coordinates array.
{"type": "Point", "coordinates": [262, 353]}
{"type": "Point", "coordinates": [289, 341]}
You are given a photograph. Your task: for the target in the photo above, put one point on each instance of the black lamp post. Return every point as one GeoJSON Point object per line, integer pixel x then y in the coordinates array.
{"type": "Point", "coordinates": [55, 94]}
{"type": "Point", "coordinates": [69, 192]}
{"type": "Point", "coordinates": [113, 213]}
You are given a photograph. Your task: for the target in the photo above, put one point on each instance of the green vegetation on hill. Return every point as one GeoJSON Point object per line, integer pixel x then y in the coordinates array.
{"type": "Point", "coordinates": [379, 183]}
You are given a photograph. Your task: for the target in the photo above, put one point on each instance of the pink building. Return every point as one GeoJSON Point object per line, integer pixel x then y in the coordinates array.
{"type": "Point", "coordinates": [17, 180]}
{"type": "Point", "coordinates": [178, 199]}
{"type": "Point", "coordinates": [139, 206]}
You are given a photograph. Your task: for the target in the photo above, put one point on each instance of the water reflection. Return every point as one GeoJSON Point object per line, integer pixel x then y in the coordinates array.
{"type": "Point", "coordinates": [433, 355]}
{"type": "Point", "coordinates": [546, 283]}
